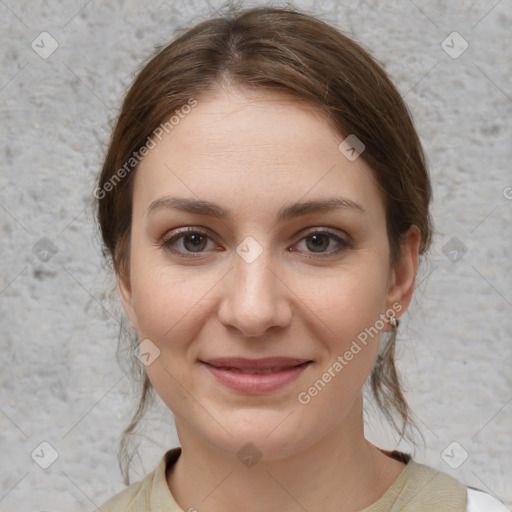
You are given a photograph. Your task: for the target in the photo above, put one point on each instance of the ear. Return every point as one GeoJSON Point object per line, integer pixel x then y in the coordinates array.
{"type": "Point", "coordinates": [125, 293]}
{"type": "Point", "coordinates": [403, 273]}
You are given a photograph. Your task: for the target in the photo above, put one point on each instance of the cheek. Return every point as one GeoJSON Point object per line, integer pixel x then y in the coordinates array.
{"type": "Point", "coordinates": [345, 301]}
{"type": "Point", "coordinates": [160, 302]}
{"type": "Point", "coordinates": [347, 306]}
{"type": "Point", "coordinates": [171, 310]}
{"type": "Point", "coordinates": [348, 311]}
{"type": "Point", "coordinates": [170, 302]}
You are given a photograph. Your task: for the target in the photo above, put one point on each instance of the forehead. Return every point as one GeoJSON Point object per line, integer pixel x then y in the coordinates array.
{"type": "Point", "coordinates": [249, 147]}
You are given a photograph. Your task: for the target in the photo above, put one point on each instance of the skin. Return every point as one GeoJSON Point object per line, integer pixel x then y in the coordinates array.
{"type": "Point", "coordinates": [252, 153]}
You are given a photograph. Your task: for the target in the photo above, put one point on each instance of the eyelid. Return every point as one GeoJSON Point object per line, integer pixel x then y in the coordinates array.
{"type": "Point", "coordinates": [187, 229]}
{"type": "Point", "coordinates": [322, 229]}
{"type": "Point", "coordinates": [337, 233]}
{"type": "Point", "coordinates": [343, 242]}
{"type": "Point", "coordinates": [166, 241]}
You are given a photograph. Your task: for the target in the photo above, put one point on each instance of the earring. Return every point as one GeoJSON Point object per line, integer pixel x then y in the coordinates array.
{"type": "Point", "coordinates": [394, 322]}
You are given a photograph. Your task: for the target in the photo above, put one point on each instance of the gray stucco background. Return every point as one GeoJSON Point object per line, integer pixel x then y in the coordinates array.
{"type": "Point", "coordinates": [60, 382]}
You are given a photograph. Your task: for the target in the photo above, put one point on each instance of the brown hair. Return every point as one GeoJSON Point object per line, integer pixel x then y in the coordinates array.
{"type": "Point", "coordinates": [303, 57]}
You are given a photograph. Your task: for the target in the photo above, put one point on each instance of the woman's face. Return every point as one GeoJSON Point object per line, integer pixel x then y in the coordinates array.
{"type": "Point", "coordinates": [262, 272]}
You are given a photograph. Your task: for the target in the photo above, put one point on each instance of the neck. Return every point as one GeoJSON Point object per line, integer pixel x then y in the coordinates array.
{"type": "Point", "coordinates": [342, 472]}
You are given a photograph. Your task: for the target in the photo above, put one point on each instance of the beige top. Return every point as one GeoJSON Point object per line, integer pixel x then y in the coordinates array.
{"type": "Point", "coordinates": [418, 488]}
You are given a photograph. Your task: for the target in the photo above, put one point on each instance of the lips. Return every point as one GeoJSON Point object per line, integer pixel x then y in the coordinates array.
{"type": "Point", "coordinates": [256, 376]}
{"type": "Point", "coordinates": [256, 366]}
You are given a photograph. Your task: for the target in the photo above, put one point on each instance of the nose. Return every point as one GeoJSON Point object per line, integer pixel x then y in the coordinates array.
{"type": "Point", "coordinates": [254, 297]}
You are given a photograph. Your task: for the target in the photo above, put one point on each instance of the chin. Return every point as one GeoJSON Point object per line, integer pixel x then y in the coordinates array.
{"type": "Point", "coordinates": [260, 436]}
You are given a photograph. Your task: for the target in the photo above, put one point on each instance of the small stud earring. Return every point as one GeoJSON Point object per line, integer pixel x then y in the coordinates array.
{"type": "Point", "coordinates": [394, 322]}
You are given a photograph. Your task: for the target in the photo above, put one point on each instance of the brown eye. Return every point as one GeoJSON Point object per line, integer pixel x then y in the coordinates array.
{"type": "Point", "coordinates": [319, 241]}
{"type": "Point", "coordinates": [323, 243]}
{"type": "Point", "coordinates": [195, 242]}
{"type": "Point", "coordinates": [186, 242]}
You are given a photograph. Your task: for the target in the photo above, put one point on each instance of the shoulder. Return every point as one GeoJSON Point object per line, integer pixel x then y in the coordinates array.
{"type": "Point", "coordinates": [128, 500]}
{"type": "Point", "coordinates": [422, 487]}
{"type": "Point", "coordinates": [479, 501]}
{"type": "Point", "coordinates": [428, 489]}
{"type": "Point", "coordinates": [142, 495]}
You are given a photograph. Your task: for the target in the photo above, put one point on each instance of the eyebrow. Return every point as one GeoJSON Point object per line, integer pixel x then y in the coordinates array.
{"type": "Point", "coordinates": [290, 211]}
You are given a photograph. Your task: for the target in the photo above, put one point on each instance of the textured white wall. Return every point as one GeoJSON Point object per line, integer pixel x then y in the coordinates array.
{"type": "Point", "coordinates": [60, 382]}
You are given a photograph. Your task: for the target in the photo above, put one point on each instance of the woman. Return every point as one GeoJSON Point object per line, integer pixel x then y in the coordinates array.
{"type": "Point", "coordinates": [265, 203]}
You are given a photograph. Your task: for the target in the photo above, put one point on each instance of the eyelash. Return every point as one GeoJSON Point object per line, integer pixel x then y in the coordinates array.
{"type": "Point", "coordinates": [167, 243]}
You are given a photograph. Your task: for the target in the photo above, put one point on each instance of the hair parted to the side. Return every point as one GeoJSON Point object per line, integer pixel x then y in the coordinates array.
{"type": "Point", "coordinates": [303, 57]}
